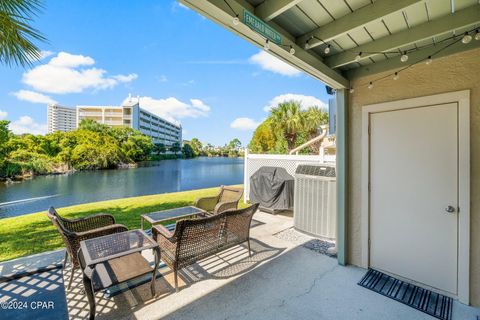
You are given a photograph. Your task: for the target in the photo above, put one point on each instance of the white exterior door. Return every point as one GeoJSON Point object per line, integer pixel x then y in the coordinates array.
{"type": "Point", "coordinates": [414, 190]}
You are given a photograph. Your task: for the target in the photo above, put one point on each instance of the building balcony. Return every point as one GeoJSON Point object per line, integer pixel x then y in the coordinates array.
{"type": "Point", "coordinates": [90, 114]}
{"type": "Point", "coordinates": [114, 122]}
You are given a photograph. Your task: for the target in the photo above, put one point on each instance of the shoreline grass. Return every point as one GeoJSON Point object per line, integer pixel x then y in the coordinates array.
{"type": "Point", "coordinates": [34, 233]}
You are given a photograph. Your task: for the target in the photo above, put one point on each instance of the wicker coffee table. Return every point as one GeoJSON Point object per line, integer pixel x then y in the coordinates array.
{"type": "Point", "coordinates": [110, 260]}
{"type": "Point", "coordinates": [171, 214]}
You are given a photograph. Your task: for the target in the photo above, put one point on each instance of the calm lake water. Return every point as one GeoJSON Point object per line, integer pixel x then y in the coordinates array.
{"type": "Point", "coordinates": [90, 186]}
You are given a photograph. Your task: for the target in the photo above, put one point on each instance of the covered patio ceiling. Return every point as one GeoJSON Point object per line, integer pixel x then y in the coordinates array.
{"type": "Point", "coordinates": [337, 41]}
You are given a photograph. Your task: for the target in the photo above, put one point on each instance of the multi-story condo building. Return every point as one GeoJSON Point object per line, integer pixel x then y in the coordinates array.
{"type": "Point", "coordinates": [61, 118]}
{"type": "Point", "coordinates": [132, 116]}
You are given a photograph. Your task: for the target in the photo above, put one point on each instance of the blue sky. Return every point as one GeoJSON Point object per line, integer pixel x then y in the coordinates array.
{"type": "Point", "coordinates": [183, 66]}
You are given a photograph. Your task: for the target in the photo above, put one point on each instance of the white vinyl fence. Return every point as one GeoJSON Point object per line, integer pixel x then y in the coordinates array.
{"type": "Point", "coordinates": [253, 162]}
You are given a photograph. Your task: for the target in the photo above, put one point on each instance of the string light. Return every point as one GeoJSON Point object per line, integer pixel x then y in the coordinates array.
{"type": "Point", "coordinates": [327, 50]}
{"type": "Point", "coordinates": [236, 20]}
{"type": "Point", "coordinates": [292, 50]}
{"type": "Point", "coordinates": [466, 38]}
{"type": "Point", "coordinates": [307, 44]}
{"type": "Point", "coordinates": [358, 57]}
{"type": "Point", "coordinates": [267, 45]}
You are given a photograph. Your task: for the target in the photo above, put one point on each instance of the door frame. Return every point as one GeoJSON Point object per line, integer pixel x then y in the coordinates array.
{"type": "Point", "coordinates": [462, 98]}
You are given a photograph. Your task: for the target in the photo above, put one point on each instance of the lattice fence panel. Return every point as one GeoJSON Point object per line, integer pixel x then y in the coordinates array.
{"type": "Point", "coordinates": [253, 162]}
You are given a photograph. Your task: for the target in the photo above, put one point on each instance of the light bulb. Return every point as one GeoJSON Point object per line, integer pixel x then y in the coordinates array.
{"type": "Point", "coordinates": [358, 57]}
{"type": "Point", "coordinates": [466, 38]}
{"type": "Point", "coordinates": [396, 76]}
{"type": "Point", "coordinates": [307, 45]}
{"type": "Point", "coordinates": [404, 57]}
{"type": "Point", "coordinates": [267, 45]}
{"type": "Point", "coordinates": [429, 60]}
{"type": "Point", "coordinates": [370, 86]}
{"type": "Point", "coordinates": [477, 35]}
{"type": "Point", "coordinates": [236, 21]}
{"type": "Point", "coordinates": [352, 90]}
{"type": "Point", "coordinates": [292, 50]}
{"type": "Point", "coordinates": [327, 50]}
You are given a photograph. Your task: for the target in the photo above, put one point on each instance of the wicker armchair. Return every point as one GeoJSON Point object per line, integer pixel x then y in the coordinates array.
{"type": "Point", "coordinates": [196, 239]}
{"type": "Point", "coordinates": [226, 199]}
{"type": "Point", "coordinates": [75, 230]}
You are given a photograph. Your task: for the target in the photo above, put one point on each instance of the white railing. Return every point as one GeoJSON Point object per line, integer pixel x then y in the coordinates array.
{"type": "Point", "coordinates": [253, 162]}
{"type": "Point", "coordinates": [90, 114]}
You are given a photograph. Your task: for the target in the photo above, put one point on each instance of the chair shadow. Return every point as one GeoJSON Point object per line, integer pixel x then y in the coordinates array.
{"type": "Point", "coordinates": [256, 223]}
{"type": "Point", "coordinates": [226, 264]}
{"type": "Point", "coordinates": [36, 296]}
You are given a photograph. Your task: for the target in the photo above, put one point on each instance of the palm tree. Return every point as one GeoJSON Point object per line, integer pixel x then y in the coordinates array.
{"type": "Point", "coordinates": [288, 119]}
{"type": "Point", "coordinates": [314, 118]}
{"type": "Point", "coordinates": [16, 35]}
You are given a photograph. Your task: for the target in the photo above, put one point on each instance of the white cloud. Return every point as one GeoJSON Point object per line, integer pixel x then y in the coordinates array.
{"type": "Point", "coordinates": [189, 83]}
{"type": "Point", "coordinates": [162, 78]}
{"type": "Point", "coordinates": [45, 54]}
{"type": "Point", "coordinates": [244, 124]}
{"type": "Point", "coordinates": [305, 101]}
{"type": "Point", "coordinates": [68, 60]}
{"type": "Point", "coordinates": [32, 96]}
{"type": "Point", "coordinates": [176, 5]}
{"type": "Point", "coordinates": [197, 103]}
{"type": "Point", "coordinates": [271, 63]}
{"type": "Point", "coordinates": [173, 109]}
{"type": "Point", "coordinates": [27, 125]}
{"type": "Point", "coordinates": [70, 73]}
{"type": "Point", "coordinates": [3, 114]}
{"type": "Point", "coordinates": [128, 78]}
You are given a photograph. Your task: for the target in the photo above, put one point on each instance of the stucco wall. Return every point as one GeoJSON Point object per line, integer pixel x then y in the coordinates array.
{"type": "Point", "coordinates": [453, 73]}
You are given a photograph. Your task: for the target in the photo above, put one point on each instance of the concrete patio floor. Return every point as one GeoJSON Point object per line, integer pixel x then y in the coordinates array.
{"type": "Point", "coordinates": [282, 280]}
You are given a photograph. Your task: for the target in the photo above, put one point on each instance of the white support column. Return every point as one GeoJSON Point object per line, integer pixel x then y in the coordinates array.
{"type": "Point", "coordinates": [245, 176]}
{"type": "Point", "coordinates": [342, 174]}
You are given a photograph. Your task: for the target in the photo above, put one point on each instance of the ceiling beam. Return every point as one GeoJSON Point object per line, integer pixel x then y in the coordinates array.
{"type": "Point", "coordinates": [419, 55]}
{"type": "Point", "coordinates": [309, 62]}
{"type": "Point", "coordinates": [460, 19]}
{"type": "Point", "coordinates": [356, 19]}
{"type": "Point", "coordinates": [269, 9]}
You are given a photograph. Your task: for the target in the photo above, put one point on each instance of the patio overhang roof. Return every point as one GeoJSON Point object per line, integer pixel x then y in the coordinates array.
{"type": "Point", "coordinates": [381, 30]}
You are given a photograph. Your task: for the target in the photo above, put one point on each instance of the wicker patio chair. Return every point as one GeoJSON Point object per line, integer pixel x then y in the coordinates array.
{"type": "Point", "coordinates": [196, 239]}
{"type": "Point", "coordinates": [226, 199]}
{"type": "Point", "coordinates": [75, 230]}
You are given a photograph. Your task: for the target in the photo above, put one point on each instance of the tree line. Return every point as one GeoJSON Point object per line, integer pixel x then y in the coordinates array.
{"type": "Point", "coordinates": [91, 146]}
{"type": "Point", "coordinates": [199, 149]}
{"type": "Point", "coordinates": [287, 127]}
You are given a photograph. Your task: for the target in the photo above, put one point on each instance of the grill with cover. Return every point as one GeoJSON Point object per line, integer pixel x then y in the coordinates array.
{"type": "Point", "coordinates": [273, 188]}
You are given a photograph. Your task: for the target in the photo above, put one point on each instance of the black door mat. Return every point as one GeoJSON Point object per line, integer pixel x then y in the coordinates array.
{"type": "Point", "coordinates": [434, 304]}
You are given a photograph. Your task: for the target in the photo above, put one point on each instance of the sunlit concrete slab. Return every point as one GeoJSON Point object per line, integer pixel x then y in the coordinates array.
{"type": "Point", "coordinates": [281, 280]}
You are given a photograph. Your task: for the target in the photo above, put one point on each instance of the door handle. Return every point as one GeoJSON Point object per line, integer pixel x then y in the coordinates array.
{"type": "Point", "coordinates": [450, 209]}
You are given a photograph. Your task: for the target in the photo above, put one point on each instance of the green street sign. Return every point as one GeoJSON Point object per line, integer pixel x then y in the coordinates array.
{"type": "Point", "coordinates": [261, 27]}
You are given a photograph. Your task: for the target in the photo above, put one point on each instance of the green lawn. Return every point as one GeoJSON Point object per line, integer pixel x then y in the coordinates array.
{"type": "Point", "coordinates": [34, 233]}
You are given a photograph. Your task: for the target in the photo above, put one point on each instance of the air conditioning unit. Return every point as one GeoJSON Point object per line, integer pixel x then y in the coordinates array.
{"type": "Point", "coordinates": [315, 200]}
